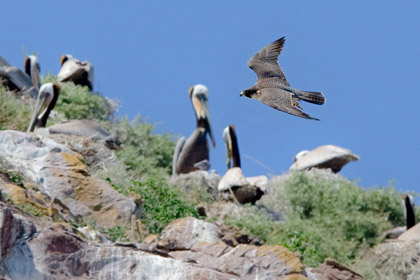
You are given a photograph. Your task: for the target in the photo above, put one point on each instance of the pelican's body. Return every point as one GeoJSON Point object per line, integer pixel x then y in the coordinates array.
{"type": "Point", "coordinates": [47, 97]}
{"type": "Point", "coordinates": [33, 69]}
{"type": "Point", "coordinates": [16, 80]}
{"type": "Point", "coordinates": [72, 69]}
{"type": "Point", "coordinates": [323, 157]}
{"type": "Point", "coordinates": [193, 153]}
{"type": "Point", "coordinates": [245, 190]}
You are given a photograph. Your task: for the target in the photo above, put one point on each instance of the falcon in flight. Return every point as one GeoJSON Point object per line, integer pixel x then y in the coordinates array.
{"type": "Point", "coordinates": [272, 87]}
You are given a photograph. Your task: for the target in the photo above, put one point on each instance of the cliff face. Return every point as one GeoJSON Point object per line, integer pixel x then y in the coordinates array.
{"type": "Point", "coordinates": [57, 186]}
{"type": "Point", "coordinates": [61, 184]}
{"type": "Point", "coordinates": [188, 249]}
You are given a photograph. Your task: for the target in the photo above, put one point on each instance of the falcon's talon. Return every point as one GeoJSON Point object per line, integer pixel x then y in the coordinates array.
{"type": "Point", "coordinates": [296, 103]}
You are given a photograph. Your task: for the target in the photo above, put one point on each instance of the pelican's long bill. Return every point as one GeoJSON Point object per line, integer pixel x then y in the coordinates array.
{"type": "Point", "coordinates": [47, 98]}
{"type": "Point", "coordinates": [233, 158]}
{"type": "Point", "coordinates": [228, 142]}
{"type": "Point", "coordinates": [199, 99]}
{"type": "Point", "coordinates": [33, 69]}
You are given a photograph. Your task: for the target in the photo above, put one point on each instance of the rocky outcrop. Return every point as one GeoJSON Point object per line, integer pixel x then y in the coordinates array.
{"type": "Point", "coordinates": [395, 259]}
{"type": "Point", "coordinates": [207, 181]}
{"type": "Point", "coordinates": [61, 177]}
{"type": "Point", "coordinates": [331, 270]}
{"type": "Point", "coordinates": [198, 242]}
{"type": "Point", "coordinates": [413, 234]}
{"type": "Point", "coordinates": [32, 248]}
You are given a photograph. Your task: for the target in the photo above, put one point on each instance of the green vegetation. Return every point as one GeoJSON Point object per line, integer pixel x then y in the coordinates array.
{"type": "Point", "coordinates": [14, 113]}
{"type": "Point", "coordinates": [116, 234]}
{"type": "Point", "coordinates": [325, 217]}
{"type": "Point", "coordinates": [30, 209]}
{"type": "Point", "coordinates": [12, 175]}
{"type": "Point", "coordinates": [144, 153]}
{"type": "Point", "coordinates": [162, 203]}
{"type": "Point", "coordinates": [77, 102]}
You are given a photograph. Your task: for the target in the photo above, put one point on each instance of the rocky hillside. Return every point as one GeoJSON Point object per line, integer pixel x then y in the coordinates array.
{"type": "Point", "coordinates": [74, 207]}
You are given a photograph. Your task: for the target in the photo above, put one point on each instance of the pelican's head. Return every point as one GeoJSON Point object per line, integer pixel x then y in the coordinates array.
{"type": "Point", "coordinates": [64, 58]}
{"type": "Point", "coordinates": [408, 200]}
{"type": "Point", "coordinates": [33, 69]}
{"type": "Point", "coordinates": [300, 155]}
{"type": "Point", "coordinates": [199, 99]}
{"type": "Point", "coordinates": [47, 97]}
{"type": "Point", "coordinates": [232, 149]}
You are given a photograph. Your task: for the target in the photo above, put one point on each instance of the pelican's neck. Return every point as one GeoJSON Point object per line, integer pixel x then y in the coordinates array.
{"type": "Point", "coordinates": [410, 216]}
{"type": "Point", "coordinates": [236, 159]}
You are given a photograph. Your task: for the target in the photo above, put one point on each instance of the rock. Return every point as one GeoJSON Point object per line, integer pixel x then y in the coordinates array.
{"type": "Point", "coordinates": [37, 249]}
{"type": "Point", "coordinates": [197, 180]}
{"type": "Point", "coordinates": [198, 242]}
{"type": "Point", "coordinates": [182, 234]}
{"type": "Point", "coordinates": [412, 234]}
{"type": "Point", "coordinates": [331, 270]}
{"type": "Point", "coordinates": [232, 236]}
{"type": "Point", "coordinates": [245, 261]}
{"type": "Point", "coordinates": [394, 259]}
{"type": "Point", "coordinates": [96, 154]}
{"type": "Point", "coordinates": [63, 177]}
{"type": "Point", "coordinates": [86, 128]}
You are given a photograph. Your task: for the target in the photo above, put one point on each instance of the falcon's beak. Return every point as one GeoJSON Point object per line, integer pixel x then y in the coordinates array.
{"type": "Point", "coordinates": [241, 94]}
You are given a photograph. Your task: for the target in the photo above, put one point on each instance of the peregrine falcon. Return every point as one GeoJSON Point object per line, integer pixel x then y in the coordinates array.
{"type": "Point", "coordinates": [272, 87]}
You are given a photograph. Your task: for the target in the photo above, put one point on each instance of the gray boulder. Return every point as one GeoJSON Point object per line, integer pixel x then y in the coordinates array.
{"type": "Point", "coordinates": [63, 177]}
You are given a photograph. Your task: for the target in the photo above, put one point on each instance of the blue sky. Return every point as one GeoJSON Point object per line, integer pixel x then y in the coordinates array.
{"type": "Point", "coordinates": [363, 55]}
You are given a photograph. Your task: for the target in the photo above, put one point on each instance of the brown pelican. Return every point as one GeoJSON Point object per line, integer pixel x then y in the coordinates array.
{"type": "Point", "coordinates": [47, 97]}
{"type": "Point", "coordinates": [193, 154]}
{"type": "Point", "coordinates": [72, 69]}
{"type": "Point", "coordinates": [32, 69]}
{"type": "Point", "coordinates": [272, 87]}
{"type": "Point", "coordinates": [244, 190]}
{"type": "Point", "coordinates": [410, 219]}
{"type": "Point", "coordinates": [327, 156]}
{"type": "Point", "coordinates": [16, 80]}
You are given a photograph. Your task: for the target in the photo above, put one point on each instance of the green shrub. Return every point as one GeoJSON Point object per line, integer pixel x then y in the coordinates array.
{"type": "Point", "coordinates": [14, 113]}
{"type": "Point", "coordinates": [13, 176]}
{"type": "Point", "coordinates": [115, 234]}
{"type": "Point", "coordinates": [255, 221]}
{"type": "Point", "coordinates": [326, 216]}
{"type": "Point", "coordinates": [162, 204]}
{"type": "Point", "coordinates": [77, 102]}
{"type": "Point", "coordinates": [143, 152]}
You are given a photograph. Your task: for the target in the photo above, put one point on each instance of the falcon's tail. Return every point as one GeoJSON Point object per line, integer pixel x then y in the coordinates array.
{"type": "Point", "coordinates": [312, 97]}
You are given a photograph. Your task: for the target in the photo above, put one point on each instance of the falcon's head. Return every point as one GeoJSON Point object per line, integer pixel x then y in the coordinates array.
{"type": "Point", "coordinates": [251, 93]}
